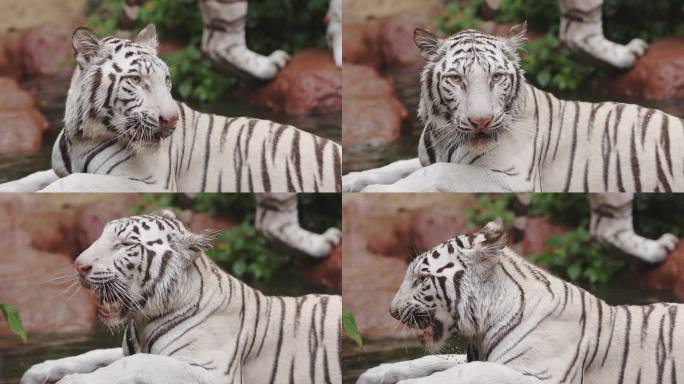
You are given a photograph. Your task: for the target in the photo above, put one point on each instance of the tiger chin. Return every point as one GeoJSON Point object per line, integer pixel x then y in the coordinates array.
{"type": "Point", "coordinates": [522, 324]}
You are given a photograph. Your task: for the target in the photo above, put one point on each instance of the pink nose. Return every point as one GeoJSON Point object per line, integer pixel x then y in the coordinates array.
{"type": "Point", "coordinates": [82, 269]}
{"type": "Point", "coordinates": [394, 313]}
{"type": "Point", "coordinates": [480, 123]}
{"type": "Point", "coordinates": [167, 123]}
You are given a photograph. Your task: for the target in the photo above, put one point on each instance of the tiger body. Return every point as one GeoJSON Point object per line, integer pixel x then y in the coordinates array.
{"type": "Point", "coordinates": [486, 129]}
{"type": "Point", "coordinates": [123, 132]}
{"type": "Point", "coordinates": [187, 321]}
{"type": "Point", "coordinates": [523, 324]}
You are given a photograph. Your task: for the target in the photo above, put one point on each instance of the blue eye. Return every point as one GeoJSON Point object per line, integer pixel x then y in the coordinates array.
{"type": "Point", "coordinates": [497, 76]}
{"type": "Point", "coordinates": [455, 78]}
{"type": "Point", "coordinates": [134, 79]}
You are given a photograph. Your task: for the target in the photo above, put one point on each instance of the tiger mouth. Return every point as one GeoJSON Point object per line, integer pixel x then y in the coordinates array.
{"type": "Point", "coordinates": [110, 309]}
{"type": "Point", "coordinates": [148, 139]}
{"type": "Point", "coordinates": [428, 329]}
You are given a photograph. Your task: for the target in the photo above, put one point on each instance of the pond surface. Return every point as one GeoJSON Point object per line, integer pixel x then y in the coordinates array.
{"type": "Point", "coordinates": [406, 82]}
{"type": "Point", "coordinates": [356, 360]}
{"type": "Point", "coordinates": [51, 97]}
{"type": "Point", "coordinates": [16, 358]}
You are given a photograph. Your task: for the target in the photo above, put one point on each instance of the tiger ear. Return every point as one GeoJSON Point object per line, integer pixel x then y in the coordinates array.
{"type": "Point", "coordinates": [85, 44]}
{"type": "Point", "coordinates": [516, 37]}
{"type": "Point", "coordinates": [165, 212]}
{"type": "Point", "coordinates": [192, 244]}
{"type": "Point", "coordinates": [148, 37]}
{"type": "Point", "coordinates": [427, 42]}
{"type": "Point", "coordinates": [490, 240]}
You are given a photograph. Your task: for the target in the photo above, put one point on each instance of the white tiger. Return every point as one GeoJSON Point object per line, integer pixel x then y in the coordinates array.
{"type": "Point", "coordinates": [581, 29]}
{"type": "Point", "coordinates": [487, 130]}
{"type": "Point", "coordinates": [334, 32]}
{"type": "Point", "coordinates": [124, 132]}
{"type": "Point", "coordinates": [187, 321]}
{"type": "Point", "coordinates": [611, 223]}
{"type": "Point", "coordinates": [524, 325]}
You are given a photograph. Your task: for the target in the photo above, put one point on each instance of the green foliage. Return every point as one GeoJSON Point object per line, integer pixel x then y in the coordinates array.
{"type": "Point", "coordinates": [13, 321]}
{"type": "Point", "coordinates": [458, 17]}
{"type": "Point", "coordinates": [658, 213]}
{"type": "Point", "coordinates": [149, 202]}
{"type": "Point", "coordinates": [350, 327]}
{"type": "Point", "coordinates": [488, 208]}
{"type": "Point", "coordinates": [571, 209]}
{"type": "Point", "coordinates": [576, 256]}
{"type": "Point", "coordinates": [246, 254]}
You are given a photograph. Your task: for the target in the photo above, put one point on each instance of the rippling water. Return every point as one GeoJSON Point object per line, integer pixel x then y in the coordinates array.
{"type": "Point", "coordinates": [52, 96]}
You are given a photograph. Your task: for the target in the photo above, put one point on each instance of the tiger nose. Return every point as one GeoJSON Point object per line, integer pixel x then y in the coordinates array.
{"type": "Point", "coordinates": [167, 123]}
{"type": "Point", "coordinates": [480, 123]}
{"type": "Point", "coordinates": [82, 268]}
{"type": "Point", "coordinates": [394, 313]}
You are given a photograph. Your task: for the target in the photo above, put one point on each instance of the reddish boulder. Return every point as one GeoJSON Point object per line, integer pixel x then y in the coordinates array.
{"type": "Point", "coordinates": [658, 75]}
{"type": "Point", "coordinates": [396, 39]}
{"type": "Point", "coordinates": [22, 125]}
{"type": "Point", "coordinates": [371, 113]}
{"type": "Point", "coordinates": [361, 43]}
{"type": "Point", "coordinates": [669, 274]}
{"type": "Point", "coordinates": [10, 55]}
{"type": "Point", "coordinates": [47, 51]}
{"type": "Point", "coordinates": [436, 225]}
{"type": "Point", "coordinates": [91, 219]}
{"type": "Point", "coordinates": [310, 83]}
{"type": "Point", "coordinates": [537, 231]}
{"type": "Point", "coordinates": [201, 222]}
{"type": "Point", "coordinates": [328, 272]}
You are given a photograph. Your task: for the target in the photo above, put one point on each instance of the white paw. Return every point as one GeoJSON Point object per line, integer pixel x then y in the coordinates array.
{"type": "Point", "coordinates": [354, 182]}
{"type": "Point", "coordinates": [279, 59]}
{"type": "Point", "coordinates": [668, 241]}
{"type": "Point", "coordinates": [382, 374]}
{"type": "Point", "coordinates": [333, 236]}
{"type": "Point", "coordinates": [625, 56]}
{"type": "Point", "coordinates": [42, 373]}
{"type": "Point", "coordinates": [377, 188]}
{"type": "Point", "coordinates": [658, 250]}
{"type": "Point", "coordinates": [637, 46]}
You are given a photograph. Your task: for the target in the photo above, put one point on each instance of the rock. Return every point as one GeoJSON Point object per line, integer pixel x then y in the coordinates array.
{"type": "Point", "coordinates": [658, 75]}
{"type": "Point", "coordinates": [392, 239]}
{"type": "Point", "coordinates": [537, 231]}
{"type": "Point", "coordinates": [436, 225]}
{"type": "Point", "coordinates": [27, 14]}
{"type": "Point", "coordinates": [361, 43]}
{"type": "Point", "coordinates": [365, 10]}
{"type": "Point", "coordinates": [669, 274]}
{"type": "Point", "coordinates": [328, 272]}
{"type": "Point", "coordinates": [10, 55]}
{"type": "Point", "coordinates": [396, 39]}
{"type": "Point", "coordinates": [371, 113]}
{"type": "Point", "coordinates": [201, 222]}
{"type": "Point", "coordinates": [91, 219]}
{"type": "Point", "coordinates": [23, 125]}
{"type": "Point", "coordinates": [310, 83]}
{"type": "Point", "coordinates": [47, 51]}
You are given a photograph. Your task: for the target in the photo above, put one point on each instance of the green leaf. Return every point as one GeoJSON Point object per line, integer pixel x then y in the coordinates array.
{"type": "Point", "coordinates": [12, 317]}
{"type": "Point", "coordinates": [350, 328]}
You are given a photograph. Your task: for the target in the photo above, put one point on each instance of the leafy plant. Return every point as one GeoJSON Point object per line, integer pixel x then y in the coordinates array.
{"type": "Point", "coordinates": [458, 17]}
{"type": "Point", "coordinates": [13, 320]}
{"type": "Point", "coordinates": [576, 256]}
{"type": "Point", "coordinates": [350, 328]}
{"type": "Point", "coordinates": [572, 209]}
{"type": "Point", "coordinates": [246, 254]}
{"type": "Point", "coordinates": [488, 208]}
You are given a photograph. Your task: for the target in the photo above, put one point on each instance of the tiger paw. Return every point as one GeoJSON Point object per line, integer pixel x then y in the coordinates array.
{"type": "Point", "coordinates": [43, 373]}
{"type": "Point", "coordinates": [625, 56]}
{"type": "Point", "coordinates": [382, 374]}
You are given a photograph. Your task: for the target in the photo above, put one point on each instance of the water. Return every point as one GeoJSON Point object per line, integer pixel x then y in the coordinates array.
{"type": "Point", "coordinates": [406, 81]}
{"type": "Point", "coordinates": [355, 360]}
{"type": "Point", "coordinates": [16, 358]}
{"type": "Point", "coordinates": [51, 97]}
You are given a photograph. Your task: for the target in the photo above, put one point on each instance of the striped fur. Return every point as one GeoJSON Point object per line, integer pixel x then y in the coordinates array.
{"type": "Point", "coordinates": [525, 325]}
{"type": "Point", "coordinates": [120, 97]}
{"type": "Point", "coordinates": [526, 139]}
{"type": "Point", "coordinates": [152, 276]}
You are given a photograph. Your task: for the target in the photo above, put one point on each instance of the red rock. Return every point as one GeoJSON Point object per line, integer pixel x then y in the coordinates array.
{"type": "Point", "coordinates": [361, 43]}
{"type": "Point", "coordinates": [22, 127]}
{"type": "Point", "coordinates": [393, 238]}
{"type": "Point", "coordinates": [658, 75]}
{"type": "Point", "coordinates": [47, 51]}
{"type": "Point", "coordinates": [669, 274]}
{"type": "Point", "coordinates": [537, 231]}
{"type": "Point", "coordinates": [310, 83]}
{"type": "Point", "coordinates": [396, 39]}
{"type": "Point", "coordinates": [371, 113]}
{"type": "Point", "coordinates": [91, 219]}
{"type": "Point", "coordinates": [10, 56]}
{"type": "Point", "coordinates": [436, 225]}
{"type": "Point", "coordinates": [328, 272]}
{"type": "Point", "coordinates": [201, 222]}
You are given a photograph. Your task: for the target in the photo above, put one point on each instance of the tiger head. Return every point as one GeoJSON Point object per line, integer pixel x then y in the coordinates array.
{"type": "Point", "coordinates": [436, 292]}
{"type": "Point", "coordinates": [470, 85]}
{"type": "Point", "coordinates": [120, 90]}
{"type": "Point", "coordinates": [136, 263]}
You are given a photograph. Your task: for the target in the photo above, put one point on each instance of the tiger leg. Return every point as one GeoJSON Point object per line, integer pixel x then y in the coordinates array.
{"type": "Point", "coordinates": [390, 373]}
{"type": "Point", "coordinates": [223, 40]}
{"type": "Point", "coordinates": [31, 183]}
{"type": "Point", "coordinates": [277, 218]}
{"type": "Point", "coordinates": [87, 182]}
{"type": "Point", "coordinates": [479, 372]}
{"type": "Point", "coordinates": [144, 368]}
{"type": "Point", "coordinates": [388, 174]}
{"type": "Point", "coordinates": [612, 223]}
{"type": "Point", "coordinates": [334, 19]}
{"type": "Point", "coordinates": [581, 29]}
{"type": "Point", "coordinates": [52, 370]}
